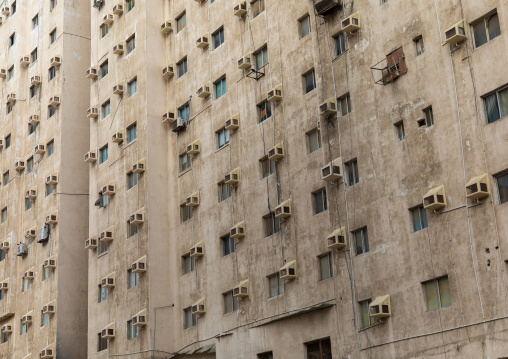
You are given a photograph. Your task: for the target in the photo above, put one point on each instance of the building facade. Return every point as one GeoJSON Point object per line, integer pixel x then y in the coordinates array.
{"type": "Point", "coordinates": [215, 230]}
{"type": "Point", "coordinates": [44, 193]}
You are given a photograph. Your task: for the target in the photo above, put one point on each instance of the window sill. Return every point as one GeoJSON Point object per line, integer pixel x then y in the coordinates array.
{"type": "Point", "coordinates": [102, 254]}
{"type": "Point", "coordinates": [275, 297]}
{"type": "Point", "coordinates": [129, 144]}
{"type": "Point", "coordinates": [339, 56]}
{"type": "Point", "coordinates": [324, 211]}
{"type": "Point", "coordinates": [184, 172]}
{"type": "Point", "coordinates": [223, 147]}
{"type": "Point", "coordinates": [370, 326]}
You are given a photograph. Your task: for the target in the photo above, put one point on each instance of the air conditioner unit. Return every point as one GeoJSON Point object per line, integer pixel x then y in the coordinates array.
{"type": "Point", "coordinates": [108, 332]}
{"type": "Point", "coordinates": [91, 73]}
{"type": "Point", "coordinates": [203, 42]}
{"type": "Point", "coordinates": [4, 285]}
{"type": "Point", "coordinates": [139, 167]}
{"type": "Point", "coordinates": [31, 193]}
{"type": "Point", "coordinates": [19, 166]}
{"type": "Point", "coordinates": [275, 95]}
{"type": "Point", "coordinates": [242, 289]}
{"type": "Point", "coordinates": [92, 112]}
{"type": "Point", "coordinates": [283, 210]}
{"type": "Point", "coordinates": [198, 250]}
{"type": "Point", "coordinates": [140, 319]}
{"type": "Point", "coordinates": [118, 89]}
{"type": "Point", "coordinates": [233, 177]}
{"type": "Point", "coordinates": [53, 179]}
{"type": "Point", "coordinates": [137, 218]}
{"type": "Point", "coordinates": [205, 91]}
{"type": "Point", "coordinates": [7, 328]}
{"type": "Point", "coordinates": [52, 218]}
{"type": "Point", "coordinates": [27, 318]}
{"type": "Point", "coordinates": [3, 72]}
{"type": "Point", "coordinates": [6, 11]}
{"type": "Point", "coordinates": [11, 97]}
{"type": "Point", "coordinates": [238, 231]}
{"type": "Point", "coordinates": [117, 137]}
{"type": "Point", "coordinates": [50, 262]}
{"type": "Point", "coordinates": [233, 123]}
{"type": "Point", "coordinates": [91, 156]}
{"type": "Point", "coordinates": [329, 107]}
{"type": "Point", "coordinates": [108, 281]}
{"type": "Point", "coordinates": [332, 171]}
{"type": "Point", "coordinates": [109, 189]}
{"type": "Point", "coordinates": [118, 48]}
{"type": "Point", "coordinates": [29, 274]}
{"type": "Point", "coordinates": [194, 148]}
{"type": "Point", "coordinates": [56, 61]}
{"type": "Point", "coordinates": [277, 152]}
{"type": "Point", "coordinates": [22, 250]}
{"type": "Point", "coordinates": [5, 245]}
{"type": "Point", "coordinates": [168, 71]}
{"type": "Point", "coordinates": [40, 149]}
{"type": "Point", "coordinates": [24, 61]}
{"type": "Point", "coordinates": [91, 243]}
{"type": "Point", "coordinates": [49, 308]}
{"type": "Point", "coordinates": [178, 124]}
{"type": "Point", "coordinates": [108, 234]}
{"type": "Point", "coordinates": [245, 62]}
{"type": "Point", "coordinates": [34, 119]}
{"type": "Point", "coordinates": [35, 80]}
{"type": "Point", "coordinates": [199, 308]}
{"type": "Point", "coordinates": [192, 200]}
{"type": "Point", "coordinates": [337, 239]}
{"type": "Point", "coordinates": [241, 8]}
{"type": "Point", "coordinates": [380, 307]}
{"type": "Point", "coordinates": [108, 19]}
{"type": "Point", "coordinates": [288, 271]}
{"type": "Point", "coordinates": [478, 187]}
{"type": "Point", "coordinates": [168, 117]}
{"type": "Point", "coordinates": [456, 34]}
{"type": "Point", "coordinates": [118, 9]}
{"type": "Point", "coordinates": [31, 233]}
{"type": "Point", "coordinates": [324, 7]}
{"type": "Point", "coordinates": [54, 101]}
{"type": "Point", "coordinates": [435, 198]}
{"type": "Point", "coordinates": [167, 27]}
{"type": "Point", "coordinates": [44, 234]}
{"type": "Point", "coordinates": [47, 353]}
{"type": "Point", "coordinates": [351, 23]}
{"type": "Point", "coordinates": [139, 266]}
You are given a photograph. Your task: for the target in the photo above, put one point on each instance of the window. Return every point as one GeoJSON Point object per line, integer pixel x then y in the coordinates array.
{"type": "Point", "coordinates": [103, 247]}
{"type": "Point", "coordinates": [264, 111]}
{"type": "Point", "coordinates": [104, 30]}
{"type": "Point", "coordinates": [13, 7]}
{"type": "Point", "coordinates": [103, 154]}
{"type": "Point", "coordinates": [104, 200]}
{"type": "Point", "coordinates": [496, 105]}
{"type": "Point", "coordinates": [52, 36]}
{"type": "Point", "coordinates": [275, 285]}
{"type": "Point", "coordinates": [320, 349]}
{"type": "Point", "coordinates": [502, 185]}
{"type": "Point", "coordinates": [352, 171]}
{"type": "Point", "coordinates": [49, 189]}
{"type": "Point", "coordinates": [222, 137]}
{"type": "Point", "coordinates": [320, 202]}
{"type": "Point", "coordinates": [102, 343]}
{"type": "Point", "coordinates": [2, 257]}
{"type": "Point", "coordinates": [4, 214]}
{"type": "Point", "coordinates": [51, 111]}
{"type": "Point", "coordinates": [132, 229]}
{"type": "Point", "coordinates": [10, 106]}
{"type": "Point", "coordinates": [5, 337]}
{"type": "Point", "coordinates": [228, 245]}
{"type": "Point", "coordinates": [31, 129]}
{"type": "Point", "coordinates": [132, 330]}
{"type": "Point", "coordinates": [51, 73]}
{"type": "Point", "coordinates": [220, 87]}
{"type": "Point", "coordinates": [486, 29]}
{"type": "Point", "coordinates": [133, 87]}
{"type": "Point", "coordinates": [132, 132]}
{"type": "Point", "coordinates": [30, 165]}
{"type": "Point", "coordinates": [185, 212]}
{"type": "Point", "coordinates": [218, 37]}
{"type": "Point", "coordinates": [309, 81]}
{"type": "Point", "coordinates": [7, 141]}
{"type": "Point", "coordinates": [272, 224]}
{"type": "Point", "coordinates": [52, 4]}
{"type": "Point", "coordinates": [304, 26]}
{"type": "Point", "coordinates": [24, 328]}
{"type": "Point", "coordinates": [181, 22]}
{"type": "Point", "coordinates": [365, 313]}
{"type": "Point", "coordinates": [188, 318]}
{"type": "Point", "coordinates": [361, 241]}
{"type": "Point", "coordinates": [35, 21]}
{"type": "Point", "coordinates": [429, 116]}
{"type": "Point", "coordinates": [33, 91]}
{"type": "Point", "coordinates": [340, 44]}
{"type": "Point", "coordinates": [257, 7]}
{"type": "Point", "coordinates": [132, 279]}
{"type": "Point", "coordinates": [26, 284]}
{"type": "Point", "coordinates": [33, 56]}
{"type": "Point", "coordinates": [267, 167]}
{"type": "Point", "coordinates": [129, 4]}
{"type": "Point", "coordinates": [50, 148]}
{"type": "Point", "coordinates": [261, 57]}
{"type": "Point", "coordinates": [106, 109]}
{"type": "Point", "coordinates": [103, 294]}
{"type": "Point", "coordinates": [437, 293]}
{"type": "Point", "coordinates": [44, 319]}
{"type": "Point", "coordinates": [10, 73]}
{"type": "Point", "coordinates": [6, 178]}
{"type": "Point", "coordinates": [46, 273]}
{"type": "Point", "coordinates": [184, 112]}
{"type": "Point", "coordinates": [399, 130]}
{"type": "Point", "coordinates": [224, 191]}
{"type": "Point", "coordinates": [420, 49]}
{"type": "Point", "coordinates": [189, 263]}
{"type": "Point", "coordinates": [104, 69]}
{"type": "Point", "coordinates": [345, 104]}
{"type": "Point", "coordinates": [131, 44]}
{"type": "Point", "coordinates": [230, 302]}
{"type": "Point", "coordinates": [181, 67]}
{"type": "Point", "coordinates": [185, 162]}
{"type": "Point", "coordinates": [419, 217]}
{"type": "Point", "coordinates": [12, 39]}
{"type": "Point", "coordinates": [267, 355]}
{"type": "Point", "coordinates": [314, 139]}
{"type": "Point", "coordinates": [326, 266]}
{"type": "Point", "coordinates": [384, 2]}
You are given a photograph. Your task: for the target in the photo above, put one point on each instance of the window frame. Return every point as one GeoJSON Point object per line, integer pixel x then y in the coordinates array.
{"type": "Point", "coordinates": [182, 16]}
{"type": "Point", "coordinates": [222, 85]}
{"type": "Point", "coordinates": [351, 168]}
{"type": "Point", "coordinates": [234, 302]}
{"type": "Point", "coordinates": [220, 32]}
{"type": "Point", "coordinates": [344, 99]}
{"type": "Point", "coordinates": [502, 194]}
{"type": "Point", "coordinates": [329, 257]}
{"type": "Point", "coordinates": [187, 314]}
{"type": "Point", "coordinates": [183, 63]}
{"type": "Point", "coordinates": [320, 192]}
{"type": "Point", "coordinates": [436, 282]}
{"type": "Point", "coordinates": [228, 245]}
{"type": "Point", "coordinates": [280, 285]}
{"type": "Point", "coordinates": [130, 44]}
{"type": "Point", "coordinates": [484, 20]}
{"type": "Point", "coordinates": [422, 217]}
{"type": "Point", "coordinates": [364, 240]}
{"type": "Point", "coordinates": [303, 31]}
{"type": "Point", "coordinates": [274, 226]}
{"type": "Point", "coordinates": [306, 88]}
